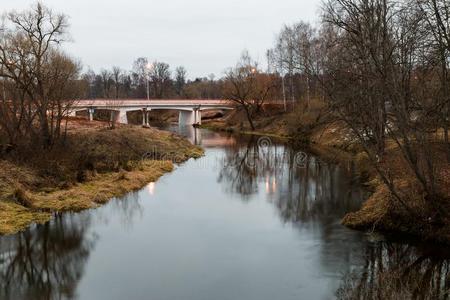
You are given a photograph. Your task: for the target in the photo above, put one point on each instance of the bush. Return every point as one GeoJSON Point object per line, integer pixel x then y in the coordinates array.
{"type": "Point", "coordinates": [306, 117]}
{"type": "Point", "coordinates": [22, 197]}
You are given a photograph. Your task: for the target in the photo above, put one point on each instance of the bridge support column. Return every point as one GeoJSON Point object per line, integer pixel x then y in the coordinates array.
{"type": "Point", "coordinates": [190, 117]}
{"type": "Point", "coordinates": [198, 117]}
{"type": "Point", "coordinates": [122, 117]}
{"type": "Point", "coordinates": [113, 116]}
{"type": "Point", "coordinates": [186, 118]}
{"type": "Point", "coordinates": [91, 114]}
{"type": "Point", "coordinates": [145, 117]}
{"type": "Point", "coordinates": [148, 116]}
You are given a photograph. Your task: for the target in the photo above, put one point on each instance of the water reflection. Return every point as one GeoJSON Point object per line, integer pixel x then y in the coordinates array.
{"type": "Point", "coordinates": [186, 237]}
{"type": "Point", "coordinates": [129, 208]}
{"type": "Point", "coordinates": [207, 139]}
{"type": "Point", "coordinates": [240, 169]}
{"type": "Point", "coordinates": [194, 135]}
{"type": "Point", "coordinates": [317, 191]}
{"type": "Point", "coordinates": [302, 192]}
{"type": "Point", "coordinates": [151, 188]}
{"type": "Point", "coordinates": [399, 271]}
{"type": "Point", "coordinates": [45, 262]}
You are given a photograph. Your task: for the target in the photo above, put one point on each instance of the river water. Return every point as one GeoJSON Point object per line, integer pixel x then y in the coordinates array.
{"type": "Point", "coordinates": [252, 219]}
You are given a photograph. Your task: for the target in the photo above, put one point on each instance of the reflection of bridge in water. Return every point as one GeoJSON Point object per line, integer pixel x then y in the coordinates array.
{"type": "Point", "coordinates": [207, 139]}
{"type": "Point", "coordinates": [189, 110]}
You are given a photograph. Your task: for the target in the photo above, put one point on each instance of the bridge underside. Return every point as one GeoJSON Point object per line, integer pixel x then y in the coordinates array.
{"type": "Point", "coordinates": [186, 117]}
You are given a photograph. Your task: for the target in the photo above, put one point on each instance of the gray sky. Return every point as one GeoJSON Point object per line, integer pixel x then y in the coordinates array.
{"type": "Point", "coordinates": [205, 36]}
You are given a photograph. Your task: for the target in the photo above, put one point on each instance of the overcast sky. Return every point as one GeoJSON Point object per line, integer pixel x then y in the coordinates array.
{"type": "Point", "coordinates": [205, 36]}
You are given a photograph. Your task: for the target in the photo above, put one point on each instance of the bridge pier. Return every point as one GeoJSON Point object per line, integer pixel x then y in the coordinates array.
{"type": "Point", "coordinates": [186, 118]}
{"type": "Point", "coordinates": [122, 117]}
{"type": "Point", "coordinates": [145, 117]}
{"type": "Point", "coordinates": [91, 114]}
{"type": "Point", "coordinates": [113, 116]}
{"type": "Point", "coordinates": [189, 117]}
{"type": "Point", "coordinates": [198, 117]}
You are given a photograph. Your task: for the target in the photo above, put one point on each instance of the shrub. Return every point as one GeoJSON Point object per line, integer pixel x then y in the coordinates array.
{"type": "Point", "coordinates": [305, 118]}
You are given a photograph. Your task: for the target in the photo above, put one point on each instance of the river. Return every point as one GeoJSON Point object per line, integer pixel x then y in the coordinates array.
{"type": "Point", "coordinates": [252, 219]}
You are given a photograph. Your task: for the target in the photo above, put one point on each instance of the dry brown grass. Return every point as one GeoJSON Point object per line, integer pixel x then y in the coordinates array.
{"type": "Point", "coordinates": [95, 165]}
{"type": "Point", "coordinates": [14, 217]}
{"type": "Point", "coordinates": [383, 212]}
{"type": "Point", "coordinates": [271, 121]}
{"type": "Point", "coordinates": [102, 188]}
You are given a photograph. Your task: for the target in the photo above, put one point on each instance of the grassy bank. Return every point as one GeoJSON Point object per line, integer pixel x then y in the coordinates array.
{"type": "Point", "coordinates": [271, 121]}
{"type": "Point", "coordinates": [431, 220]}
{"type": "Point", "coordinates": [333, 142]}
{"type": "Point", "coordinates": [94, 165]}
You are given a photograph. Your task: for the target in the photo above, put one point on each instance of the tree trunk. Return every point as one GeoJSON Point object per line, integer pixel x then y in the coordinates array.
{"type": "Point", "coordinates": [45, 132]}
{"type": "Point", "coordinates": [249, 117]}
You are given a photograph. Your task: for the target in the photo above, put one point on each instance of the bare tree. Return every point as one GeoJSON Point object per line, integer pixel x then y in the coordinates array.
{"type": "Point", "coordinates": [436, 17]}
{"type": "Point", "coordinates": [180, 80]}
{"type": "Point", "coordinates": [106, 78]}
{"type": "Point", "coordinates": [160, 78]}
{"type": "Point", "coordinates": [140, 76]}
{"type": "Point", "coordinates": [248, 87]}
{"type": "Point", "coordinates": [378, 79]}
{"type": "Point", "coordinates": [117, 76]}
{"type": "Point", "coordinates": [33, 65]}
{"type": "Point", "coordinates": [295, 58]}
{"type": "Point", "coordinates": [283, 55]}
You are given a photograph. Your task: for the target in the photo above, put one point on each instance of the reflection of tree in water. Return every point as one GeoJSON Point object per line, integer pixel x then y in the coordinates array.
{"type": "Point", "coordinates": [316, 191]}
{"type": "Point", "coordinates": [45, 262]}
{"type": "Point", "coordinates": [398, 271]}
{"type": "Point", "coordinates": [245, 165]}
{"type": "Point", "coordinates": [129, 209]}
{"type": "Point", "coordinates": [237, 172]}
{"type": "Point", "coordinates": [302, 192]}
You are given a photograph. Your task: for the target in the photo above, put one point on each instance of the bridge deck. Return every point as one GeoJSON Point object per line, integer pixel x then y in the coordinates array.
{"type": "Point", "coordinates": [151, 102]}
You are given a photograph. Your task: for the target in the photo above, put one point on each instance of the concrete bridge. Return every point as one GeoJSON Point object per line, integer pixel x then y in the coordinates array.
{"type": "Point", "coordinates": [190, 111]}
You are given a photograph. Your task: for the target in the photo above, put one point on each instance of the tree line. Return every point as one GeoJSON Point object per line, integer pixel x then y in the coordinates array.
{"type": "Point", "coordinates": [152, 80]}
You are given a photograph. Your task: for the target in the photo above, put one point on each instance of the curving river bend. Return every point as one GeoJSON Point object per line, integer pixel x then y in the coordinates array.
{"type": "Point", "coordinates": [253, 219]}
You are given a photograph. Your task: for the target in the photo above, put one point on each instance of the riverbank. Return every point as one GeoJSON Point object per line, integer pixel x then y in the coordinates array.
{"type": "Point", "coordinates": [94, 165]}
{"type": "Point", "coordinates": [334, 142]}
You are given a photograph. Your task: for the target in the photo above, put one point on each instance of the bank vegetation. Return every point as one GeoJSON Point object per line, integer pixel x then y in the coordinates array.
{"type": "Point", "coordinates": [50, 163]}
